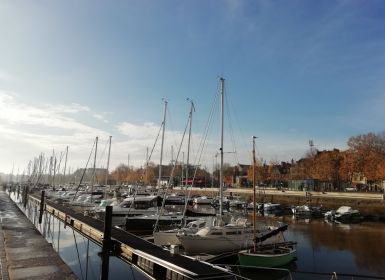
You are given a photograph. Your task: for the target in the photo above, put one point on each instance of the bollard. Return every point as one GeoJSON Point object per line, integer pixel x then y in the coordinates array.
{"type": "Point", "coordinates": [41, 207]}
{"type": "Point", "coordinates": [106, 243]}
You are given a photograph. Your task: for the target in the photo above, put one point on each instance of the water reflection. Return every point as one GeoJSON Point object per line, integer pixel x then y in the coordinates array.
{"type": "Point", "coordinates": [322, 248]}
{"type": "Point", "coordinates": [78, 252]}
{"type": "Point", "coordinates": [343, 248]}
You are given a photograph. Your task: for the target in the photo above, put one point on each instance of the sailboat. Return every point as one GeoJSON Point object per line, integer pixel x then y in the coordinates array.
{"type": "Point", "coordinates": [220, 237]}
{"type": "Point", "coordinates": [162, 218]}
{"type": "Point", "coordinates": [268, 255]}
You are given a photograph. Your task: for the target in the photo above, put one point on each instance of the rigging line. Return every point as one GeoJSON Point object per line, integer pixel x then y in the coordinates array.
{"type": "Point", "coordinates": [203, 142]}
{"type": "Point", "coordinates": [201, 147]}
{"type": "Point", "coordinates": [242, 137]}
{"type": "Point", "coordinates": [150, 155]}
{"type": "Point", "coordinates": [153, 147]}
{"type": "Point", "coordinates": [104, 150]}
{"type": "Point", "coordinates": [232, 138]}
{"type": "Point", "coordinates": [208, 125]}
{"type": "Point", "coordinates": [172, 173]}
{"type": "Point", "coordinates": [34, 171]}
{"type": "Point", "coordinates": [40, 169]}
{"type": "Point", "coordinates": [172, 127]}
{"type": "Point", "coordinates": [57, 170]}
{"type": "Point", "coordinates": [84, 171]}
{"type": "Point", "coordinates": [77, 251]}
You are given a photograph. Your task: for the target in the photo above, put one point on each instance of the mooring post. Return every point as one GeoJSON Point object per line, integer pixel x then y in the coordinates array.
{"type": "Point", "coordinates": [106, 243]}
{"type": "Point", "coordinates": [25, 196]}
{"type": "Point", "coordinates": [41, 207]}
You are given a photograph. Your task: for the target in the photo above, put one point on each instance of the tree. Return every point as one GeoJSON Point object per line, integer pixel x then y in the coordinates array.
{"type": "Point", "coordinates": [326, 166]}
{"type": "Point", "coordinates": [120, 173]}
{"type": "Point", "coordinates": [347, 165]}
{"type": "Point", "coordinates": [368, 142]}
{"type": "Point", "coordinates": [368, 153]}
{"type": "Point", "coordinates": [228, 172]}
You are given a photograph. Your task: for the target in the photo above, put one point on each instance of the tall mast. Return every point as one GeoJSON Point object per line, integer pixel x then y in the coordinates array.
{"type": "Point", "coordinates": [54, 171]}
{"type": "Point", "coordinates": [254, 215]}
{"type": "Point", "coordinates": [94, 167]}
{"type": "Point", "coordinates": [182, 172]}
{"type": "Point", "coordinates": [192, 109]}
{"type": "Point", "coordinates": [108, 160]}
{"type": "Point", "coordinates": [65, 165]}
{"type": "Point", "coordinates": [10, 178]}
{"type": "Point", "coordinates": [161, 148]}
{"type": "Point", "coordinates": [222, 83]}
{"type": "Point", "coordinates": [49, 178]}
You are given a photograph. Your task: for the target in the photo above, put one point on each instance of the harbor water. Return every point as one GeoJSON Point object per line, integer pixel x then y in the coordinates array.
{"type": "Point", "coordinates": [324, 249]}
{"type": "Point", "coordinates": [79, 253]}
{"type": "Point", "coordinates": [351, 251]}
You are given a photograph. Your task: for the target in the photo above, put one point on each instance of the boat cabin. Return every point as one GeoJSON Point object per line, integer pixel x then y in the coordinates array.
{"type": "Point", "coordinates": [141, 202]}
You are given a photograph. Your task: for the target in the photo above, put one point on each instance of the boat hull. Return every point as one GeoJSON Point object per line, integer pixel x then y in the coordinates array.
{"type": "Point", "coordinates": [146, 224]}
{"type": "Point", "coordinates": [198, 245]}
{"type": "Point", "coordinates": [267, 259]}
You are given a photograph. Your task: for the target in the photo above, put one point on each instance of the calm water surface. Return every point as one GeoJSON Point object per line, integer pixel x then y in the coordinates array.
{"type": "Point", "coordinates": [322, 247]}
{"type": "Point", "coordinates": [342, 248]}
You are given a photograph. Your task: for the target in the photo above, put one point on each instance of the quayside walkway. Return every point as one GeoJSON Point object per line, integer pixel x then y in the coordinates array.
{"type": "Point", "coordinates": [24, 253]}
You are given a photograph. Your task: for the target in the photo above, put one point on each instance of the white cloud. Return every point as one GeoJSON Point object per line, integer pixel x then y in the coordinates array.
{"type": "Point", "coordinates": [73, 108]}
{"type": "Point", "coordinates": [100, 117]}
{"type": "Point", "coordinates": [29, 130]}
{"type": "Point", "coordinates": [13, 112]}
{"type": "Point", "coordinates": [133, 131]}
{"type": "Point", "coordinates": [6, 77]}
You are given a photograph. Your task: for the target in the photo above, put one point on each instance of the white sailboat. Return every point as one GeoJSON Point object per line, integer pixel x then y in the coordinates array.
{"type": "Point", "coordinates": [163, 218]}
{"type": "Point", "coordinates": [220, 237]}
{"type": "Point", "coordinates": [169, 237]}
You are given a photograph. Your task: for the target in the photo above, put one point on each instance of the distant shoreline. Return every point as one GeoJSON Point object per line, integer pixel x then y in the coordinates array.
{"type": "Point", "coordinates": [371, 205]}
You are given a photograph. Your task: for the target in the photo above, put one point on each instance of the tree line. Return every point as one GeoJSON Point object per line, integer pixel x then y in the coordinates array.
{"type": "Point", "coordinates": [365, 157]}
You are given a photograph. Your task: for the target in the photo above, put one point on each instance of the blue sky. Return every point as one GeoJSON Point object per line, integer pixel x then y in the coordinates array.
{"type": "Point", "coordinates": [294, 70]}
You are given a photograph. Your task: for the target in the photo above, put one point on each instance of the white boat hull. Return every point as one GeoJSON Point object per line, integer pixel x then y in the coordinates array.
{"type": "Point", "coordinates": [195, 244]}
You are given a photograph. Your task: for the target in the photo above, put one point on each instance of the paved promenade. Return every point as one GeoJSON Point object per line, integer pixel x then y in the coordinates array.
{"type": "Point", "coordinates": [24, 253]}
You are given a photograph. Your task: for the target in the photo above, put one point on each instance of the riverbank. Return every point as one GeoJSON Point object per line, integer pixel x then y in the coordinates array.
{"type": "Point", "coordinates": [371, 205]}
{"type": "Point", "coordinates": [24, 252]}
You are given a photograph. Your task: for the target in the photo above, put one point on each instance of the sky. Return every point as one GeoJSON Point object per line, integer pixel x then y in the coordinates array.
{"type": "Point", "coordinates": [294, 71]}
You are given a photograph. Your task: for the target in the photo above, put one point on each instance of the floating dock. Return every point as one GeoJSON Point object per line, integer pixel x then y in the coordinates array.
{"type": "Point", "coordinates": [150, 258]}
